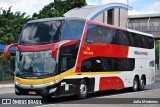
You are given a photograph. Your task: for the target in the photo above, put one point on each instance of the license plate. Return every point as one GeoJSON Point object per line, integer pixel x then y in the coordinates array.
{"type": "Point", "coordinates": [32, 92]}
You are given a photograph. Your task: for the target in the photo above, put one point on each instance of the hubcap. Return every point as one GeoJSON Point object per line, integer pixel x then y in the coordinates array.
{"type": "Point", "coordinates": [142, 83]}
{"type": "Point", "coordinates": [83, 89]}
{"type": "Point", "coordinates": [135, 85]}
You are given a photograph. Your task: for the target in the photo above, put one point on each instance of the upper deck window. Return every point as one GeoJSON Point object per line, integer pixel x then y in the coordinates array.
{"type": "Point", "coordinates": [41, 32]}
{"type": "Point", "coordinates": [45, 32]}
{"type": "Point", "coordinates": [73, 30]}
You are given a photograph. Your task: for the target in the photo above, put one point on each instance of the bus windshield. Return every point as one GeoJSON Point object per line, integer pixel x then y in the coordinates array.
{"type": "Point", "coordinates": [35, 64]}
{"type": "Point", "coordinates": [45, 32]}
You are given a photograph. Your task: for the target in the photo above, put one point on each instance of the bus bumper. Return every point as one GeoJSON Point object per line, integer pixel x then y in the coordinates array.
{"type": "Point", "coordinates": [41, 91]}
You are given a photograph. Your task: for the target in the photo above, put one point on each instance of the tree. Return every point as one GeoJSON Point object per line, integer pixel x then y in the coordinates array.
{"type": "Point", "coordinates": [58, 8]}
{"type": "Point", "coordinates": [11, 25]}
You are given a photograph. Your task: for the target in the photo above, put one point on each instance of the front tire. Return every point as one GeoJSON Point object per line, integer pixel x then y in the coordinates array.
{"type": "Point", "coordinates": [82, 89]}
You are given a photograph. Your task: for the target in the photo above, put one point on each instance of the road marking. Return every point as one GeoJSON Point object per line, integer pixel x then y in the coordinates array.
{"type": "Point", "coordinates": [107, 96]}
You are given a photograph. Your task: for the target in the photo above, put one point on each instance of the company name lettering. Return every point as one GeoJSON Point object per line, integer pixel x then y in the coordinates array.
{"type": "Point", "coordinates": [140, 53]}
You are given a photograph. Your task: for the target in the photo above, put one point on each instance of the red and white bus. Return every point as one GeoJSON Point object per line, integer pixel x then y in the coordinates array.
{"type": "Point", "coordinates": [63, 56]}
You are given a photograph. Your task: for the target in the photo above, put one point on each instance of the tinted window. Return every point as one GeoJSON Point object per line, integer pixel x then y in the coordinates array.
{"type": "Point", "coordinates": [68, 55]}
{"type": "Point", "coordinates": [132, 39]}
{"type": "Point", "coordinates": [99, 64]}
{"type": "Point", "coordinates": [41, 32]}
{"type": "Point", "coordinates": [121, 38]}
{"type": "Point", "coordinates": [73, 30]}
{"type": "Point", "coordinates": [150, 42]}
{"type": "Point", "coordinates": [144, 41]}
{"type": "Point", "coordinates": [97, 33]}
{"type": "Point", "coordinates": [141, 41]}
{"type": "Point", "coordinates": [138, 40]}
{"type": "Point", "coordinates": [102, 34]}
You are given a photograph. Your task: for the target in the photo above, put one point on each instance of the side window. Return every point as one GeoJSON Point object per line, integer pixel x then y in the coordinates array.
{"type": "Point", "coordinates": [98, 33]}
{"type": "Point", "coordinates": [67, 57]}
{"type": "Point", "coordinates": [105, 64]}
{"type": "Point", "coordinates": [73, 30]}
{"type": "Point", "coordinates": [150, 42]}
{"type": "Point", "coordinates": [132, 39]}
{"type": "Point", "coordinates": [121, 38]}
{"type": "Point", "coordinates": [144, 42]}
{"type": "Point", "coordinates": [87, 65]}
{"type": "Point", "coordinates": [138, 40]}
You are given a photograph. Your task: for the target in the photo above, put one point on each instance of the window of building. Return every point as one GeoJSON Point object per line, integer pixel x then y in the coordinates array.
{"type": "Point", "coordinates": [110, 17]}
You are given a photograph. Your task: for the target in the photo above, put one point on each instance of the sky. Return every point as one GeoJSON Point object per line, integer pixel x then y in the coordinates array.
{"type": "Point", "coordinates": [32, 6]}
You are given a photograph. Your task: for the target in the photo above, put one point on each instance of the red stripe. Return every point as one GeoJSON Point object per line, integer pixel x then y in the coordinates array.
{"type": "Point", "coordinates": [46, 46]}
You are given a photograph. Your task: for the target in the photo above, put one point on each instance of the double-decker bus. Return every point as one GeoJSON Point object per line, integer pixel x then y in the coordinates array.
{"type": "Point", "coordinates": [73, 56]}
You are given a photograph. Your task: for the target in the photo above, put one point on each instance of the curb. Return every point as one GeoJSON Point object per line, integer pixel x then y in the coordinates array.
{"type": "Point", "coordinates": [7, 86]}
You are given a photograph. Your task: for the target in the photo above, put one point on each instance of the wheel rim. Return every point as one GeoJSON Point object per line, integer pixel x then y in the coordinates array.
{"type": "Point", "coordinates": [142, 83]}
{"type": "Point", "coordinates": [135, 85]}
{"type": "Point", "coordinates": [83, 89]}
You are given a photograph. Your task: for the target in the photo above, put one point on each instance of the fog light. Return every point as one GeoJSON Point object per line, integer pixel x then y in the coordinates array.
{"type": "Point", "coordinates": [52, 90]}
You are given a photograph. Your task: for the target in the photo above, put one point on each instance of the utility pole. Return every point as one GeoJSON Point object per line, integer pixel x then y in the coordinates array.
{"type": "Point", "coordinates": [127, 15]}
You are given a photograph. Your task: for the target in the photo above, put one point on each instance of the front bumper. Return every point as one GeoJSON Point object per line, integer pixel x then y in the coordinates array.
{"type": "Point", "coordinates": [40, 90]}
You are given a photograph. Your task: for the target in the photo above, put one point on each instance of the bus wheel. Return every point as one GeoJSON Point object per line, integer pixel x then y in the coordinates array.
{"type": "Point", "coordinates": [135, 84]}
{"type": "Point", "coordinates": [142, 84]}
{"type": "Point", "coordinates": [82, 89]}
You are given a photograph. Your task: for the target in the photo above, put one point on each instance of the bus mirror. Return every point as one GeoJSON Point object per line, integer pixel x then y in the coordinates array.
{"type": "Point", "coordinates": [5, 54]}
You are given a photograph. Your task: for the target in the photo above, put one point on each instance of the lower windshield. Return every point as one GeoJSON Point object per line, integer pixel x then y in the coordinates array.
{"type": "Point", "coordinates": [35, 64]}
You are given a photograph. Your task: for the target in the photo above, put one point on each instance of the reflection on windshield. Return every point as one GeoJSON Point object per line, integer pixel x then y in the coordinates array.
{"type": "Point", "coordinates": [38, 63]}
{"type": "Point", "coordinates": [41, 32]}
{"type": "Point", "coordinates": [73, 30]}
{"type": "Point", "coordinates": [44, 32]}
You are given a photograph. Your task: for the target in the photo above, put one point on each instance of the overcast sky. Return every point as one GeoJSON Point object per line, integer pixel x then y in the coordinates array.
{"type": "Point", "coordinates": [31, 6]}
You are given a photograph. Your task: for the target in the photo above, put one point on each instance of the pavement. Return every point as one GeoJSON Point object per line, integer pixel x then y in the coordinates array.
{"type": "Point", "coordinates": [6, 84]}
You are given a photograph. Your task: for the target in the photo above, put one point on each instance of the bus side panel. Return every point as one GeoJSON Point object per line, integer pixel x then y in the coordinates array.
{"type": "Point", "coordinates": [107, 83]}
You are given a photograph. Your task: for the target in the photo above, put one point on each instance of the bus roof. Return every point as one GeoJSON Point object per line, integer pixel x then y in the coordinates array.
{"type": "Point", "coordinates": [103, 24]}
{"type": "Point", "coordinates": [56, 18]}
{"type": "Point", "coordinates": [121, 28]}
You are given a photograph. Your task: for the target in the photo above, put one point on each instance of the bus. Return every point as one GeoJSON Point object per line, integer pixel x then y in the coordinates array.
{"type": "Point", "coordinates": [73, 56]}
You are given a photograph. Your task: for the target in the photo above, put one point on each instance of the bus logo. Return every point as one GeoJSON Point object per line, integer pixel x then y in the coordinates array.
{"type": "Point", "coordinates": [141, 53]}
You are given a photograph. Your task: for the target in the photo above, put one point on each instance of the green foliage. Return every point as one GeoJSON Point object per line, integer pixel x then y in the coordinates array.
{"type": "Point", "coordinates": [11, 25]}
{"type": "Point", "coordinates": [5, 70]}
{"type": "Point", "coordinates": [58, 8]}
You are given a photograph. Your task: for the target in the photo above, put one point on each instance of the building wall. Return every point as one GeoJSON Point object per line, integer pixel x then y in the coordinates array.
{"type": "Point", "coordinates": [99, 18]}
{"type": "Point", "coordinates": [120, 17]}
{"type": "Point", "coordinates": [123, 18]}
{"type": "Point", "coordinates": [147, 24]}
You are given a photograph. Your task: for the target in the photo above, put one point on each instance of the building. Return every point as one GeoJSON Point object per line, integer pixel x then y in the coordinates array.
{"type": "Point", "coordinates": [113, 13]}
{"type": "Point", "coordinates": [149, 23]}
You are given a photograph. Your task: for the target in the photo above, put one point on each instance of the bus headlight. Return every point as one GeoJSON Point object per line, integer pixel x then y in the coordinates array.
{"type": "Point", "coordinates": [52, 90]}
